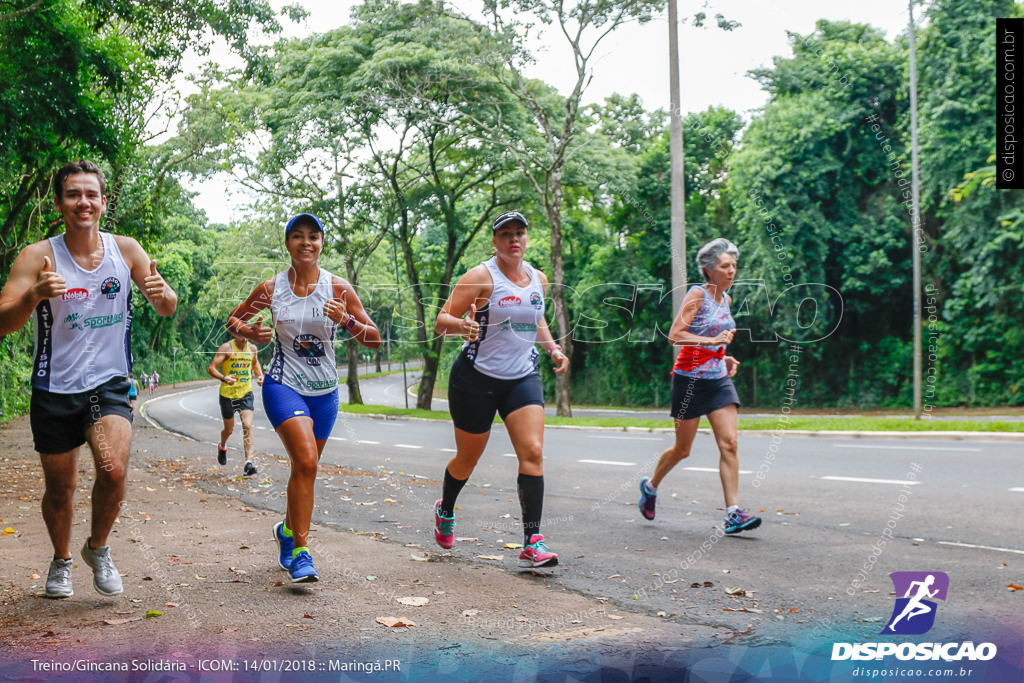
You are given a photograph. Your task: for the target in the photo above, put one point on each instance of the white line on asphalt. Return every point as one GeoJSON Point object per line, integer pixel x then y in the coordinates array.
{"type": "Point", "coordinates": [904, 448]}
{"type": "Point", "coordinates": [369, 443]}
{"type": "Point", "coordinates": [609, 462]}
{"type": "Point", "coordinates": [983, 547]}
{"type": "Point", "coordinates": [713, 469]}
{"type": "Point", "coordinates": [332, 438]}
{"type": "Point", "coordinates": [509, 455]}
{"type": "Point", "coordinates": [405, 445]}
{"type": "Point", "coordinates": [862, 480]}
{"type": "Point", "coordinates": [1018, 489]}
{"type": "Point", "coordinates": [628, 438]}
{"type": "Point", "coordinates": [448, 450]}
{"type": "Point", "coordinates": [181, 404]}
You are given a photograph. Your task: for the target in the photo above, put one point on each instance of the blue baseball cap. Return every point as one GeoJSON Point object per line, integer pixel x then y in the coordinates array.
{"type": "Point", "coordinates": [305, 217]}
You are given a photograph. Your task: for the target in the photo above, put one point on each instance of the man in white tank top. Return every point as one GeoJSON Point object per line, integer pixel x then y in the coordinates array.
{"type": "Point", "coordinates": [79, 285]}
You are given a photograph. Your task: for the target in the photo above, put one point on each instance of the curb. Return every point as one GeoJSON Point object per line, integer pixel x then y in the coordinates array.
{"type": "Point", "coordinates": [942, 436]}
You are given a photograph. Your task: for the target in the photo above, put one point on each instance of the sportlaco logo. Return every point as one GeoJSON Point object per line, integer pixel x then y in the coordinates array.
{"type": "Point", "coordinates": [914, 614]}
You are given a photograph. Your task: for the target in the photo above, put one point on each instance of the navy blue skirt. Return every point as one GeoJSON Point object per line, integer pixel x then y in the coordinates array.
{"type": "Point", "coordinates": [692, 397]}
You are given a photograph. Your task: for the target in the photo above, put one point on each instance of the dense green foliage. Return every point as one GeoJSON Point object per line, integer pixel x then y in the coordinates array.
{"type": "Point", "coordinates": [408, 129]}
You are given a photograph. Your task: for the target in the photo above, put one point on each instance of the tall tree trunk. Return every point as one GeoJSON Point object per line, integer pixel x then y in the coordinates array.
{"type": "Point", "coordinates": [355, 396]}
{"type": "Point", "coordinates": [553, 206]}
{"type": "Point", "coordinates": [432, 359]}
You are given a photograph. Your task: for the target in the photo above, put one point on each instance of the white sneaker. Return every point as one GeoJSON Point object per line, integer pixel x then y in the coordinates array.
{"type": "Point", "coordinates": [58, 581]}
{"type": "Point", "coordinates": [105, 579]}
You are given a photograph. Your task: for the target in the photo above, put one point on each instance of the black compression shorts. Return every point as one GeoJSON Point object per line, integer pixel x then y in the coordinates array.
{"type": "Point", "coordinates": [474, 398]}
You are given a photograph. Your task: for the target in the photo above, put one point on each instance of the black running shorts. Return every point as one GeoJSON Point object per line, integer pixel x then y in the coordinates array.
{"type": "Point", "coordinates": [474, 398]}
{"type": "Point", "coordinates": [59, 421]}
{"type": "Point", "coordinates": [692, 397]}
{"type": "Point", "coordinates": [230, 406]}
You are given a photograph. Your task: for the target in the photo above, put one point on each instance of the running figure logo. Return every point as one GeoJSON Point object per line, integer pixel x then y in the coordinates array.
{"type": "Point", "coordinates": [914, 613]}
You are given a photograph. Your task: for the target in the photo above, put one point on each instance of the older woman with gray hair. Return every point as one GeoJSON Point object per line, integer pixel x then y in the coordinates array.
{"type": "Point", "coordinates": [702, 381]}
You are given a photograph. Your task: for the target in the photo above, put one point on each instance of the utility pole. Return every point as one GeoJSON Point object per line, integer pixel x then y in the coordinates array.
{"type": "Point", "coordinates": [915, 219]}
{"type": "Point", "coordinates": [678, 224]}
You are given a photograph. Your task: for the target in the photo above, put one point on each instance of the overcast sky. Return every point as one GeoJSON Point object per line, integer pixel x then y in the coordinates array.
{"type": "Point", "coordinates": [634, 59]}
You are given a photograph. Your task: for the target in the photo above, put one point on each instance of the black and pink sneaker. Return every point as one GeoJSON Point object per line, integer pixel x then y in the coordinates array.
{"type": "Point", "coordinates": [647, 498]}
{"type": "Point", "coordinates": [444, 527]}
{"type": "Point", "coordinates": [536, 554]}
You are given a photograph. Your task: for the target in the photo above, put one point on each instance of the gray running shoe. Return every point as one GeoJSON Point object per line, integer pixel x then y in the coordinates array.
{"type": "Point", "coordinates": [106, 579]}
{"type": "Point", "coordinates": [58, 581]}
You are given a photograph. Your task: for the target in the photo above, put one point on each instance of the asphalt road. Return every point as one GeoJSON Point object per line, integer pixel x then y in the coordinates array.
{"type": "Point", "coordinates": [839, 516]}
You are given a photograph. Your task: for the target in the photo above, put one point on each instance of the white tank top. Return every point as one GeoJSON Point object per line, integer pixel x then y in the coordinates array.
{"type": "Point", "coordinates": [506, 348]}
{"type": "Point", "coordinates": [303, 352]}
{"type": "Point", "coordinates": [84, 337]}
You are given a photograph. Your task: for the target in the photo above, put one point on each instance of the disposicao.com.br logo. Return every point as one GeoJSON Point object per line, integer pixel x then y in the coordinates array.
{"type": "Point", "coordinates": [914, 614]}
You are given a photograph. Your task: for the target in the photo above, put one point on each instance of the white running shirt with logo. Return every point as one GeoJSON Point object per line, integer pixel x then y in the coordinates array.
{"type": "Point", "coordinates": [84, 337]}
{"type": "Point", "coordinates": [506, 348]}
{"type": "Point", "coordinates": [303, 338]}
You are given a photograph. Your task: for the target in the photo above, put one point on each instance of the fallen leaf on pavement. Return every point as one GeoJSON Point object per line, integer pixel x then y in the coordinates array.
{"type": "Point", "coordinates": [421, 557]}
{"type": "Point", "coordinates": [413, 601]}
{"type": "Point", "coordinates": [522, 619]}
{"type": "Point", "coordinates": [1015, 587]}
{"type": "Point", "coordinates": [490, 557]}
{"type": "Point", "coordinates": [513, 546]}
{"type": "Point", "coordinates": [466, 539]}
{"type": "Point", "coordinates": [615, 616]}
{"type": "Point", "coordinates": [118, 622]}
{"type": "Point", "coordinates": [307, 615]}
{"type": "Point", "coordinates": [471, 613]}
{"type": "Point", "coordinates": [392, 622]}
{"type": "Point", "coordinates": [153, 613]}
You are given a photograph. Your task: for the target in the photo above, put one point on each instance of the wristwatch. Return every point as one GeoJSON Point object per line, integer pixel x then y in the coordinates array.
{"type": "Point", "coordinates": [351, 322]}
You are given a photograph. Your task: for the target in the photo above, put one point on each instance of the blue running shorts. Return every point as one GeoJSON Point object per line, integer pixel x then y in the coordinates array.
{"type": "Point", "coordinates": [283, 403]}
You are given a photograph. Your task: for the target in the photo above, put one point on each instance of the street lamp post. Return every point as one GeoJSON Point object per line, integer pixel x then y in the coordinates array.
{"type": "Point", "coordinates": [174, 366]}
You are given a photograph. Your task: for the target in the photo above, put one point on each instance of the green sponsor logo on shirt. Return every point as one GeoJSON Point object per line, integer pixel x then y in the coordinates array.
{"type": "Point", "coordinates": [103, 320]}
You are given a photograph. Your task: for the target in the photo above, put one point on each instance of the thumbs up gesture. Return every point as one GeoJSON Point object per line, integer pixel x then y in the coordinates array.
{"type": "Point", "coordinates": [470, 327]}
{"type": "Point", "coordinates": [156, 287]}
{"type": "Point", "coordinates": [260, 334]}
{"type": "Point", "coordinates": [337, 309]}
{"type": "Point", "coordinates": [49, 283]}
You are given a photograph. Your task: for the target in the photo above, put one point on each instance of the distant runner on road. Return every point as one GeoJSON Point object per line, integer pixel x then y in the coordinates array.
{"type": "Point", "coordinates": [79, 285]}
{"type": "Point", "coordinates": [235, 364]}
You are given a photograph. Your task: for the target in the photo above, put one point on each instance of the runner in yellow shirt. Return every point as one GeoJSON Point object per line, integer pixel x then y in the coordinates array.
{"type": "Point", "coordinates": [234, 365]}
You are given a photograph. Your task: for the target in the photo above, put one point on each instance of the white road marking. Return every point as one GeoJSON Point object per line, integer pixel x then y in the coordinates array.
{"type": "Point", "coordinates": [713, 469]}
{"type": "Point", "coordinates": [982, 547]}
{"type": "Point", "coordinates": [406, 445]}
{"type": "Point", "coordinates": [336, 438]}
{"type": "Point", "coordinates": [509, 455]}
{"type": "Point", "coordinates": [609, 462]}
{"type": "Point", "coordinates": [1018, 489]}
{"type": "Point", "coordinates": [448, 450]}
{"type": "Point", "coordinates": [181, 404]}
{"type": "Point", "coordinates": [862, 480]}
{"type": "Point", "coordinates": [369, 443]}
{"type": "Point", "coordinates": [905, 448]}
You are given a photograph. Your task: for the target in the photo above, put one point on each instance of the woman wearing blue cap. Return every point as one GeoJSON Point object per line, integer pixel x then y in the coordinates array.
{"type": "Point", "coordinates": [300, 389]}
{"type": "Point", "coordinates": [496, 372]}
